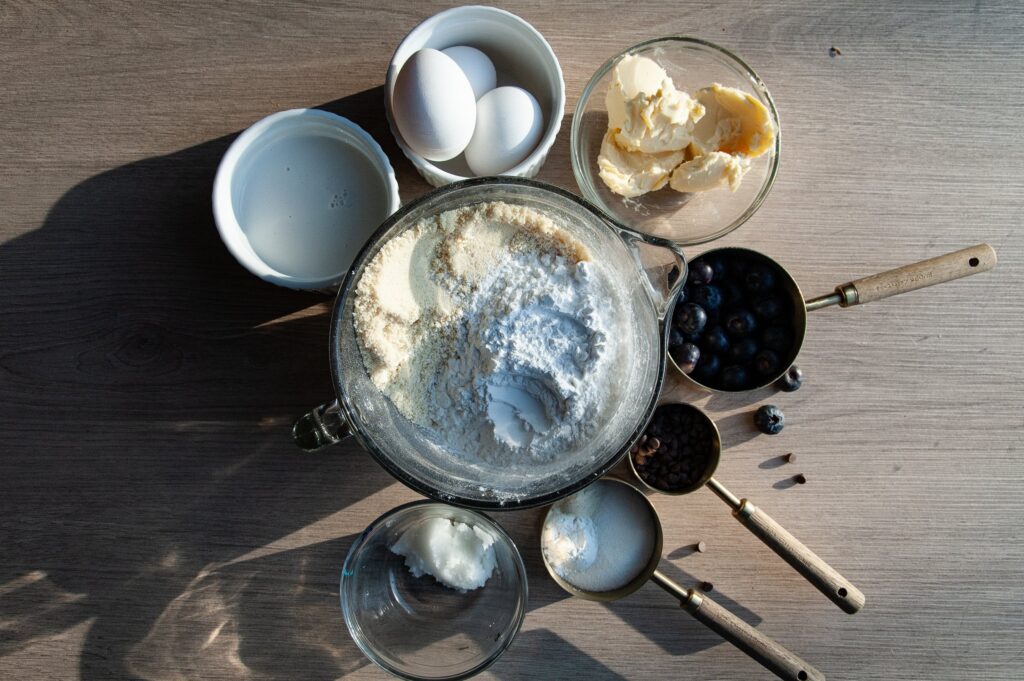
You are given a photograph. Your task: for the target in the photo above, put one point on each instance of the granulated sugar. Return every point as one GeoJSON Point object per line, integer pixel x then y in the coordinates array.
{"type": "Point", "coordinates": [601, 538]}
{"type": "Point", "coordinates": [490, 327]}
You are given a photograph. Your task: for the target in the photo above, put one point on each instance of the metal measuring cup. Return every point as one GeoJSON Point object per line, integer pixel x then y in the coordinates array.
{"type": "Point", "coordinates": [815, 570]}
{"type": "Point", "coordinates": [949, 267]}
{"type": "Point", "coordinates": [769, 653]}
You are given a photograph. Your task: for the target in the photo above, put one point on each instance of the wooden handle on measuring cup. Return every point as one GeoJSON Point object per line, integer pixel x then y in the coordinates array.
{"type": "Point", "coordinates": [769, 653]}
{"type": "Point", "coordinates": [962, 263]}
{"type": "Point", "coordinates": [816, 571]}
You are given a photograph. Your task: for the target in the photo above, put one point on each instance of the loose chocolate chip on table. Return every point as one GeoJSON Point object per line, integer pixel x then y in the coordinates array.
{"type": "Point", "coordinates": [701, 547]}
{"type": "Point", "coordinates": [791, 458]}
{"type": "Point", "coordinates": [706, 586]}
{"type": "Point", "coordinates": [800, 479]}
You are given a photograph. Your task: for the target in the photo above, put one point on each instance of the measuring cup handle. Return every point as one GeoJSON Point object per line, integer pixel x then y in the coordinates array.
{"type": "Point", "coordinates": [769, 653]}
{"type": "Point", "coordinates": [819, 573]}
{"type": "Point", "coordinates": [962, 263]}
{"type": "Point", "coordinates": [323, 426]}
{"type": "Point", "coordinates": [662, 295]}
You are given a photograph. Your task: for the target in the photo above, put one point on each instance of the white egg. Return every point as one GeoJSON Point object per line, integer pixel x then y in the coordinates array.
{"type": "Point", "coordinates": [508, 126]}
{"type": "Point", "coordinates": [433, 105]}
{"type": "Point", "coordinates": [477, 66]}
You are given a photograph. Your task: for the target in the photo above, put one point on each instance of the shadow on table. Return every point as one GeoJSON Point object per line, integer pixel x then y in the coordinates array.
{"type": "Point", "coordinates": [148, 386]}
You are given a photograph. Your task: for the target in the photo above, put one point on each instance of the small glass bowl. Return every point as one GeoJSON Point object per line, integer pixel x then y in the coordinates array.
{"type": "Point", "coordinates": [687, 219]}
{"type": "Point", "coordinates": [417, 628]}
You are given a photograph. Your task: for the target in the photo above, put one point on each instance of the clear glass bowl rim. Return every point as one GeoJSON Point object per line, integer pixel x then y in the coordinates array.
{"type": "Point", "coordinates": [729, 59]}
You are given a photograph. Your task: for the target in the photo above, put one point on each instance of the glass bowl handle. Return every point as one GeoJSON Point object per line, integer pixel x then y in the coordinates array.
{"type": "Point", "coordinates": [322, 426]}
{"type": "Point", "coordinates": [655, 280]}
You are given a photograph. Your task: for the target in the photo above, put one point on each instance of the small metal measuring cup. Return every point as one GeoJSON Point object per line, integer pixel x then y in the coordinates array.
{"type": "Point", "coordinates": [815, 570]}
{"type": "Point", "coordinates": [769, 653]}
{"type": "Point", "coordinates": [944, 268]}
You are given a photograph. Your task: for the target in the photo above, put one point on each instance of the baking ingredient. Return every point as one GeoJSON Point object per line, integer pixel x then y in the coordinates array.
{"type": "Point", "coordinates": [690, 318]}
{"type": "Point", "coordinates": [769, 419]}
{"type": "Point", "coordinates": [706, 587]}
{"type": "Point", "coordinates": [701, 547]}
{"type": "Point", "coordinates": [791, 458]}
{"type": "Point", "coordinates": [658, 134]}
{"type": "Point", "coordinates": [748, 338]}
{"type": "Point", "coordinates": [709, 171]}
{"type": "Point", "coordinates": [791, 380]}
{"type": "Point", "coordinates": [734, 122]}
{"type": "Point", "coordinates": [686, 356]}
{"type": "Point", "coordinates": [509, 125]}
{"type": "Point", "coordinates": [700, 272]}
{"type": "Point", "coordinates": [632, 173]}
{"type": "Point", "coordinates": [458, 555]}
{"type": "Point", "coordinates": [433, 105]}
{"type": "Point", "coordinates": [614, 545]}
{"type": "Point", "coordinates": [800, 479]}
{"type": "Point", "coordinates": [646, 113]}
{"type": "Point", "coordinates": [477, 66]}
{"type": "Point", "coordinates": [491, 328]}
{"type": "Point", "coordinates": [685, 445]}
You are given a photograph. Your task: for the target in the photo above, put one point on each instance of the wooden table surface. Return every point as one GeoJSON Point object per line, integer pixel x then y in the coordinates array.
{"type": "Point", "coordinates": [156, 522]}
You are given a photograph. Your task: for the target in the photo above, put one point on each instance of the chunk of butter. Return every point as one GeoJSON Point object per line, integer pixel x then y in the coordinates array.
{"type": "Point", "coordinates": [709, 171]}
{"type": "Point", "coordinates": [646, 111]}
{"type": "Point", "coordinates": [633, 173]}
{"type": "Point", "coordinates": [734, 122]}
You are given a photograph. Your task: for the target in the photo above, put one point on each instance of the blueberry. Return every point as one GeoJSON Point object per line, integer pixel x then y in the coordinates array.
{"type": "Point", "coordinates": [743, 350]}
{"type": "Point", "coordinates": [791, 380]}
{"type": "Point", "coordinates": [707, 367]}
{"type": "Point", "coordinates": [768, 308]}
{"type": "Point", "coordinates": [740, 323]}
{"type": "Point", "coordinates": [675, 338]}
{"type": "Point", "coordinates": [707, 296]}
{"type": "Point", "coordinates": [733, 293]}
{"type": "Point", "coordinates": [769, 419]}
{"type": "Point", "coordinates": [719, 268]}
{"type": "Point", "coordinates": [687, 356]}
{"type": "Point", "coordinates": [734, 377]}
{"type": "Point", "coordinates": [759, 278]}
{"type": "Point", "coordinates": [700, 272]}
{"type": "Point", "coordinates": [766, 362]}
{"type": "Point", "coordinates": [673, 274]}
{"type": "Point", "coordinates": [715, 340]}
{"type": "Point", "coordinates": [777, 338]}
{"type": "Point", "coordinates": [690, 318]}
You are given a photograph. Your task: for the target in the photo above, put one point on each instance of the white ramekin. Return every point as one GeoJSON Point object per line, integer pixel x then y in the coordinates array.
{"type": "Point", "coordinates": [521, 56]}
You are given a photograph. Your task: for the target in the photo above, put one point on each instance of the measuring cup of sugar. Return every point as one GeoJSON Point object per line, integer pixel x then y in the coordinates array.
{"type": "Point", "coordinates": [298, 194]}
{"type": "Point", "coordinates": [605, 542]}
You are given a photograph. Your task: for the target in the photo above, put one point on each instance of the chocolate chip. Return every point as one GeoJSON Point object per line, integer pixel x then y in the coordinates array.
{"type": "Point", "coordinates": [800, 479]}
{"type": "Point", "coordinates": [791, 458]}
{"type": "Point", "coordinates": [707, 586]}
{"type": "Point", "coordinates": [701, 547]}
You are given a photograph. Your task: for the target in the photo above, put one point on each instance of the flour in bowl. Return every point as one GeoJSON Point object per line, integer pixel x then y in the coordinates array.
{"type": "Point", "coordinates": [490, 327]}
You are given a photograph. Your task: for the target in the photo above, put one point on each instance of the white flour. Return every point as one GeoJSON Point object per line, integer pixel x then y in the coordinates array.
{"type": "Point", "coordinates": [489, 327]}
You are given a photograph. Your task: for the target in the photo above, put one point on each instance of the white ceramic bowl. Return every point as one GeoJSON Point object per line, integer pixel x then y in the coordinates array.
{"type": "Point", "coordinates": [297, 195]}
{"type": "Point", "coordinates": [521, 57]}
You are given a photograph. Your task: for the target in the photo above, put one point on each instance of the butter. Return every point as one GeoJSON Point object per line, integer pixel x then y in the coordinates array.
{"type": "Point", "coordinates": [646, 111]}
{"type": "Point", "coordinates": [634, 173]}
{"type": "Point", "coordinates": [659, 135]}
{"type": "Point", "coordinates": [734, 122]}
{"type": "Point", "coordinates": [709, 171]}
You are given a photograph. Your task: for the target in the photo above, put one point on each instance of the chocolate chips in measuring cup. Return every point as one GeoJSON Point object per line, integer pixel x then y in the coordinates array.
{"type": "Point", "coordinates": [675, 451]}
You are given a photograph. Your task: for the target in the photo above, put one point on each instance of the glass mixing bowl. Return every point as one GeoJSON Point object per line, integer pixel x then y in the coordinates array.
{"type": "Point", "coordinates": [636, 264]}
{"type": "Point", "coordinates": [417, 628]}
{"type": "Point", "coordinates": [685, 218]}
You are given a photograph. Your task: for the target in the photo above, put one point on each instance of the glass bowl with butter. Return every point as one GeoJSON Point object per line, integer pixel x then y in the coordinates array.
{"type": "Point", "coordinates": [432, 591]}
{"type": "Point", "coordinates": [676, 137]}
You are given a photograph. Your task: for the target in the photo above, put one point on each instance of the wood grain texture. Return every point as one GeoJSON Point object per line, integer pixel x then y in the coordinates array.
{"type": "Point", "coordinates": [155, 521]}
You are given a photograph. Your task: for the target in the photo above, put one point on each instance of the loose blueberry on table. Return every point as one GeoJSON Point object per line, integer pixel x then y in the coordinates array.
{"type": "Point", "coordinates": [769, 419]}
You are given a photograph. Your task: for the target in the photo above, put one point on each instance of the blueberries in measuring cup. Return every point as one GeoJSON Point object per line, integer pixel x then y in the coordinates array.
{"type": "Point", "coordinates": [675, 338]}
{"type": "Point", "coordinates": [745, 334]}
{"type": "Point", "coordinates": [690, 318]}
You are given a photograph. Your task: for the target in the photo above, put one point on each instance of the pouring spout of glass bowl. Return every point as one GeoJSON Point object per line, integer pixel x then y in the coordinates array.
{"type": "Point", "coordinates": [321, 427]}
{"type": "Point", "coordinates": [663, 296]}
